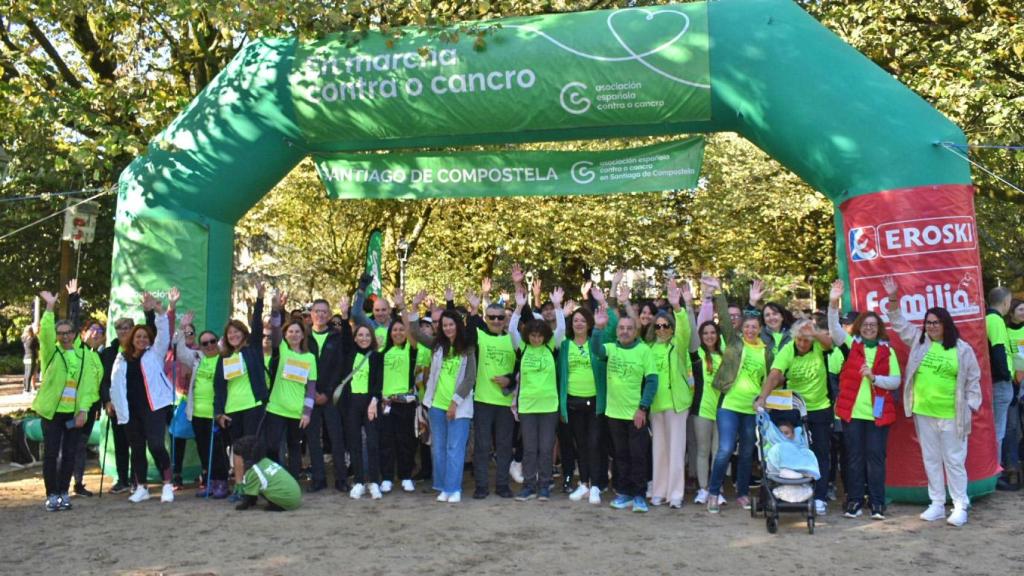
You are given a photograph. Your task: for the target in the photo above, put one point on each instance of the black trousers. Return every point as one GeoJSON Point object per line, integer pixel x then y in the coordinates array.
{"type": "Point", "coordinates": [326, 416]}
{"type": "Point", "coordinates": [122, 452]}
{"type": "Point", "coordinates": [398, 441]}
{"type": "Point", "coordinates": [59, 446]}
{"type": "Point", "coordinates": [586, 435]}
{"type": "Point", "coordinates": [491, 421]}
{"type": "Point", "coordinates": [245, 423]}
{"type": "Point", "coordinates": [215, 464]}
{"type": "Point", "coordinates": [83, 439]}
{"type": "Point", "coordinates": [148, 429]}
{"type": "Point", "coordinates": [356, 423]}
{"type": "Point", "coordinates": [566, 449]}
{"type": "Point", "coordinates": [279, 428]}
{"type": "Point", "coordinates": [819, 424]}
{"type": "Point", "coordinates": [632, 452]}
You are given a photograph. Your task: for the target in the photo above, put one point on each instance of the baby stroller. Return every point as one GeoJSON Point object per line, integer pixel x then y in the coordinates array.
{"type": "Point", "coordinates": [784, 490]}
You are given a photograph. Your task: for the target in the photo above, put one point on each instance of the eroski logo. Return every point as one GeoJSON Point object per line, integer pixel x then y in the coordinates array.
{"type": "Point", "coordinates": [862, 244]}
{"type": "Point", "coordinates": [926, 235]}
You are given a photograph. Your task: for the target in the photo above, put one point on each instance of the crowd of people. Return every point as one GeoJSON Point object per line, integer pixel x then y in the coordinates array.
{"type": "Point", "coordinates": [635, 400]}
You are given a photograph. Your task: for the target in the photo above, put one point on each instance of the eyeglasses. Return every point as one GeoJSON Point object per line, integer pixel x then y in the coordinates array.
{"type": "Point", "coordinates": [662, 326]}
{"type": "Point", "coordinates": [932, 322]}
{"type": "Point", "coordinates": [501, 317]}
{"type": "Point", "coordinates": [65, 333]}
{"type": "Point", "coordinates": [207, 342]}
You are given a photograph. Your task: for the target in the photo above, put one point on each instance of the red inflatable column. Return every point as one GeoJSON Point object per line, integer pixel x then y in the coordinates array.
{"type": "Point", "coordinates": [927, 238]}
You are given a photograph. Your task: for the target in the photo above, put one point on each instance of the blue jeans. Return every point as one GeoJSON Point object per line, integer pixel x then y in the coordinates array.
{"type": "Point", "coordinates": [448, 449]}
{"type": "Point", "coordinates": [1011, 442]}
{"type": "Point", "coordinates": [1002, 395]}
{"type": "Point", "coordinates": [730, 426]}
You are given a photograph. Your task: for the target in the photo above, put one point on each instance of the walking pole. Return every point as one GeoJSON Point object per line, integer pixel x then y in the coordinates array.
{"type": "Point", "coordinates": [209, 459]}
{"type": "Point", "coordinates": [103, 459]}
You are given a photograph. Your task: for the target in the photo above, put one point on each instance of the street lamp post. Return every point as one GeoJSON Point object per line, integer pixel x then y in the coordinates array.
{"type": "Point", "coordinates": [403, 256]}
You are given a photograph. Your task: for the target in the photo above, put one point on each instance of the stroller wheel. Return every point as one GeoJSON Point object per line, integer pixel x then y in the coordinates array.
{"type": "Point", "coordinates": [810, 524]}
{"type": "Point", "coordinates": [773, 524]}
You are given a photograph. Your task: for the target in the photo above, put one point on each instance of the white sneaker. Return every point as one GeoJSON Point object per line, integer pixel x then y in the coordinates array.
{"type": "Point", "coordinates": [385, 486]}
{"type": "Point", "coordinates": [934, 512]}
{"type": "Point", "coordinates": [702, 497]}
{"type": "Point", "coordinates": [455, 497]}
{"type": "Point", "coordinates": [579, 493]}
{"type": "Point", "coordinates": [442, 497]}
{"type": "Point", "coordinates": [167, 494]}
{"type": "Point", "coordinates": [141, 494]}
{"type": "Point", "coordinates": [957, 518]}
{"type": "Point", "coordinates": [657, 501]}
{"type": "Point", "coordinates": [357, 492]}
{"type": "Point", "coordinates": [408, 485]}
{"type": "Point", "coordinates": [595, 495]}
{"type": "Point", "coordinates": [722, 500]}
{"type": "Point", "coordinates": [375, 491]}
{"type": "Point", "coordinates": [515, 470]}
{"type": "Point", "coordinates": [820, 507]}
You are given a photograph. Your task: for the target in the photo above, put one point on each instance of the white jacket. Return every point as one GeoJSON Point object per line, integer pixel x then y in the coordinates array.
{"type": "Point", "coordinates": [159, 388]}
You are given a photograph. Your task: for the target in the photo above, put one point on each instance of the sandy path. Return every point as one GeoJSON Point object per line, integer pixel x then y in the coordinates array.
{"type": "Point", "coordinates": [405, 534]}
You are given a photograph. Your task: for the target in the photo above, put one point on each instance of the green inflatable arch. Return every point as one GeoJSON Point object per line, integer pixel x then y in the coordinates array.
{"type": "Point", "coordinates": [776, 76]}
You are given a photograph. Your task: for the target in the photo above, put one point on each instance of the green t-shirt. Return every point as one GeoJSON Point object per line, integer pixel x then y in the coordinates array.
{"type": "Point", "coordinates": [268, 478]}
{"type": "Point", "coordinates": [294, 371]}
{"type": "Point", "coordinates": [747, 386]}
{"type": "Point", "coordinates": [627, 369]}
{"type": "Point", "coordinates": [380, 333]}
{"type": "Point", "coordinates": [995, 327]}
{"type": "Point", "coordinates": [69, 396]}
{"type": "Point", "coordinates": [805, 374]}
{"type": "Point", "coordinates": [862, 406]}
{"type": "Point", "coordinates": [710, 395]}
{"type": "Point", "coordinates": [581, 373]}
{"type": "Point", "coordinates": [1016, 349]}
{"type": "Point", "coordinates": [396, 370]}
{"type": "Point", "coordinates": [202, 391]}
{"type": "Point", "coordinates": [446, 382]}
{"type": "Point", "coordinates": [240, 395]}
{"type": "Point", "coordinates": [538, 383]}
{"type": "Point", "coordinates": [496, 358]}
{"type": "Point", "coordinates": [670, 375]}
{"type": "Point", "coordinates": [935, 383]}
{"type": "Point", "coordinates": [360, 374]}
{"type": "Point", "coordinates": [777, 340]}
{"type": "Point", "coordinates": [320, 338]}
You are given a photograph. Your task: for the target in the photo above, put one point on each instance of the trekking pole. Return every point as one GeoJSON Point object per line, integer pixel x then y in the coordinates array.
{"type": "Point", "coordinates": [209, 459]}
{"type": "Point", "coordinates": [103, 459]}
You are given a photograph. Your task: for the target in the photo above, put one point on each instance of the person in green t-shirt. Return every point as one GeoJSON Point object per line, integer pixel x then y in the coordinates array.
{"type": "Point", "coordinates": [537, 394]}
{"type": "Point", "coordinates": [671, 406]}
{"type": "Point", "coordinates": [263, 477]}
{"type": "Point", "coordinates": [706, 357]}
{"type": "Point", "coordinates": [364, 370]}
{"type": "Point", "coordinates": [632, 382]}
{"type": "Point", "coordinates": [1015, 334]}
{"type": "Point", "coordinates": [941, 391]}
{"type": "Point", "coordinates": [292, 391]}
{"type": "Point", "coordinates": [1001, 364]}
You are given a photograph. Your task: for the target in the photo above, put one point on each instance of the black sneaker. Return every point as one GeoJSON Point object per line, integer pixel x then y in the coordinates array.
{"type": "Point", "coordinates": [177, 482]}
{"type": "Point", "coordinates": [1004, 485]}
{"type": "Point", "coordinates": [118, 488]}
{"type": "Point", "coordinates": [479, 494]}
{"type": "Point", "coordinates": [81, 490]}
{"type": "Point", "coordinates": [877, 513]}
{"type": "Point", "coordinates": [853, 509]}
{"type": "Point", "coordinates": [341, 486]}
{"type": "Point", "coordinates": [316, 487]}
{"type": "Point", "coordinates": [567, 484]}
{"type": "Point", "coordinates": [505, 492]}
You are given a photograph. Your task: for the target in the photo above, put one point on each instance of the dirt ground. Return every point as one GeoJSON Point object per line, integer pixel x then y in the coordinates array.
{"type": "Point", "coordinates": [411, 533]}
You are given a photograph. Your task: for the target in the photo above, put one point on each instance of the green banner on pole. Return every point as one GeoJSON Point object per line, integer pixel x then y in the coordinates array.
{"type": "Point", "coordinates": [670, 166]}
{"type": "Point", "coordinates": [601, 68]}
{"type": "Point", "coordinates": [374, 252]}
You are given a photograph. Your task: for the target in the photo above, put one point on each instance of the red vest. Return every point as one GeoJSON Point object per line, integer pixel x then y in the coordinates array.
{"type": "Point", "coordinates": [850, 381]}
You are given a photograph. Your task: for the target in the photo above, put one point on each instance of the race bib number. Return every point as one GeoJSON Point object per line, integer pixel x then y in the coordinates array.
{"type": "Point", "coordinates": [234, 367]}
{"type": "Point", "coordinates": [780, 400]}
{"type": "Point", "coordinates": [296, 371]}
{"type": "Point", "coordinates": [70, 393]}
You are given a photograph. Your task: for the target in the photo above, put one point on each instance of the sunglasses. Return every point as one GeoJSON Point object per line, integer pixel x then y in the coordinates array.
{"type": "Point", "coordinates": [489, 317]}
{"type": "Point", "coordinates": [662, 326]}
{"type": "Point", "coordinates": [207, 342]}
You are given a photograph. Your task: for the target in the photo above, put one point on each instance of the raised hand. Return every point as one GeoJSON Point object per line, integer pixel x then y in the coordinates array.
{"type": "Point", "coordinates": [399, 299]}
{"type": "Point", "coordinates": [148, 302]}
{"type": "Point", "coordinates": [757, 290]}
{"type": "Point", "coordinates": [364, 281]}
{"type": "Point", "coordinates": [517, 274]}
{"type": "Point", "coordinates": [687, 292]}
{"type": "Point", "coordinates": [485, 286]}
{"type": "Point", "coordinates": [557, 295]}
{"type": "Point", "coordinates": [417, 299]}
{"type": "Point", "coordinates": [623, 293]}
{"type": "Point", "coordinates": [585, 289]}
{"type": "Point", "coordinates": [474, 301]}
{"type": "Point", "coordinates": [836, 293]}
{"type": "Point", "coordinates": [49, 298]}
{"type": "Point", "coordinates": [449, 293]}
{"type": "Point", "coordinates": [569, 308]}
{"type": "Point", "coordinates": [536, 289]}
{"type": "Point", "coordinates": [891, 287]}
{"type": "Point", "coordinates": [601, 317]}
{"type": "Point", "coordinates": [598, 295]}
{"type": "Point", "coordinates": [617, 279]}
{"type": "Point", "coordinates": [187, 319]}
{"type": "Point", "coordinates": [674, 294]}
{"type": "Point", "coordinates": [172, 297]}
{"type": "Point", "coordinates": [72, 286]}
{"type": "Point", "coordinates": [261, 290]}
{"type": "Point", "coordinates": [343, 305]}
{"type": "Point", "coordinates": [710, 283]}
{"type": "Point", "coordinates": [520, 299]}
